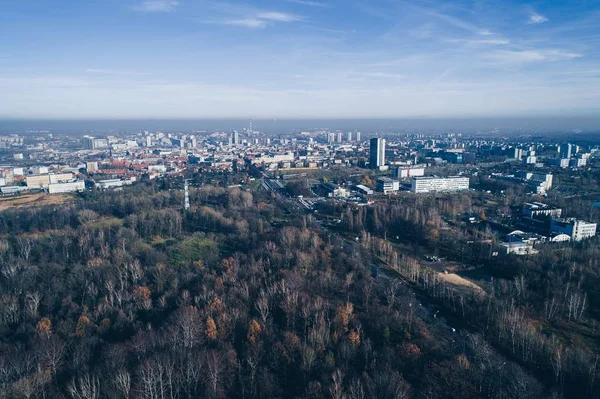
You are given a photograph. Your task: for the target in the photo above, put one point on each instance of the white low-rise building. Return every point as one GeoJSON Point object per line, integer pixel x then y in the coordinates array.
{"type": "Point", "coordinates": [60, 177]}
{"type": "Point", "coordinates": [578, 230]}
{"type": "Point", "coordinates": [408, 172]}
{"type": "Point", "coordinates": [113, 183]}
{"type": "Point", "coordinates": [519, 248]}
{"type": "Point", "coordinates": [39, 170]}
{"type": "Point", "coordinates": [69, 187]}
{"type": "Point", "coordinates": [386, 185]}
{"type": "Point", "coordinates": [427, 184]}
{"type": "Point", "coordinates": [364, 189]}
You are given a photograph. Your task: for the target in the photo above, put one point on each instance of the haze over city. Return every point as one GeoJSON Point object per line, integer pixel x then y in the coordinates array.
{"type": "Point", "coordinates": [176, 59]}
{"type": "Point", "coordinates": [302, 199]}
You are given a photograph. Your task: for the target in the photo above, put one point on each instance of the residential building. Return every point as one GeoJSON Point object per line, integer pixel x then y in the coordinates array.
{"type": "Point", "coordinates": [577, 162]}
{"type": "Point", "coordinates": [91, 167]}
{"type": "Point", "coordinates": [377, 153]}
{"type": "Point", "coordinates": [428, 184]}
{"type": "Point", "coordinates": [93, 143]}
{"type": "Point", "coordinates": [408, 172]}
{"type": "Point", "coordinates": [566, 151]}
{"type": "Point", "coordinates": [39, 170]}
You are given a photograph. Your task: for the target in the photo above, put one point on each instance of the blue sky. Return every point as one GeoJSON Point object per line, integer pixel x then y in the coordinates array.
{"type": "Point", "coordinates": [298, 58]}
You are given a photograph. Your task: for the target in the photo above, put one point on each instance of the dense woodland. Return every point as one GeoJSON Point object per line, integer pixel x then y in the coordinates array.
{"type": "Point", "coordinates": [121, 294]}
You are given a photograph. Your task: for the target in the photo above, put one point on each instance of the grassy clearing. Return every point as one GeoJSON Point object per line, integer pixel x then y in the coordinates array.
{"type": "Point", "coordinates": [106, 222]}
{"type": "Point", "coordinates": [29, 200]}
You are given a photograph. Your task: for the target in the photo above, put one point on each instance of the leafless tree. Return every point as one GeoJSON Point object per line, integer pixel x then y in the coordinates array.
{"type": "Point", "coordinates": [390, 292]}
{"type": "Point", "coordinates": [84, 387]}
{"type": "Point", "coordinates": [33, 303]}
{"type": "Point", "coordinates": [52, 351]}
{"type": "Point", "coordinates": [336, 389]}
{"type": "Point", "coordinates": [214, 368]}
{"type": "Point", "coordinates": [262, 305]}
{"type": "Point", "coordinates": [356, 390]}
{"type": "Point", "coordinates": [123, 382]}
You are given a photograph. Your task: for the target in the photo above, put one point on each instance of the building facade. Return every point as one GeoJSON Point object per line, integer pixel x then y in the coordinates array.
{"type": "Point", "coordinates": [407, 173]}
{"type": "Point", "coordinates": [387, 186]}
{"type": "Point", "coordinates": [578, 230]}
{"type": "Point", "coordinates": [377, 153]}
{"type": "Point", "coordinates": [425, 184]}
{"type": "Point", "coordinates": [535, 210]}
{"type": "Point", "coordinates": [58, 188]}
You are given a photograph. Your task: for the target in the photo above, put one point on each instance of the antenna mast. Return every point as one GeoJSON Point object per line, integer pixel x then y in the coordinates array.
{"type": "Point", "coordinates": [186, 191]}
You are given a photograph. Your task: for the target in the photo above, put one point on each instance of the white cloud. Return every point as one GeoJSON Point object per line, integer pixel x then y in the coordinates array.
{"type": "Point", "coordinates": [113, 72]}
{"type": "Point", "coordinates": [518, 57]}
{"type": "Point", "coordinates": [459, 23]}
{"type": "Point", "coordinates": [157, 6]}
{"type": "Point", "coordinates": [481, 42]}
{"type": "Point", "coordinates": [384, 75]}
{"type": "Point", "coordinates": [254, 19]}
{"type": "Point", "coordinates": [247, 22]}
{"type": "Point", "coordinates": [536, 18]}
{"type": "Point", "coordinates": [308, 3]}
{"type": "Point", "coordinates": [278, 16]}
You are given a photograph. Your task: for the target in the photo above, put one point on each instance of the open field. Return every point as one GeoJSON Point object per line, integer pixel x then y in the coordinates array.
{"type": "Point", "coordinates": [29, 200]}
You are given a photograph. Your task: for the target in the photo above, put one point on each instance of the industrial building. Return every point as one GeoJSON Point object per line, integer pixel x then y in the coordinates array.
{"type": "Point", "coordinates": [536, 210]}
{"type": "Point", "coordinates": [69, 187]}
{"type": "Point", "coordinates": [361, 188]}
{"type": "Point", "coordinates": [578, 230]}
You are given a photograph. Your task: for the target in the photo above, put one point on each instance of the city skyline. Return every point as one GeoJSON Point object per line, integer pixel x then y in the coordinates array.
{"type": "Point", "coordinates": [298, 59]}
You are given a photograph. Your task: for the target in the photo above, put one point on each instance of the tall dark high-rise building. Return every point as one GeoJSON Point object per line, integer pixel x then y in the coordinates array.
{"type": "Point", "coordinates": [566, 151]}
{"type": "Point", "coordinates": [377, 153]}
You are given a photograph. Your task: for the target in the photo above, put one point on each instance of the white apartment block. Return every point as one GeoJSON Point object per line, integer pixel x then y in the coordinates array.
{"type": "Point", "coordinates": [426, 184]}
{"type": "Point", "coordinates": [407, 173]}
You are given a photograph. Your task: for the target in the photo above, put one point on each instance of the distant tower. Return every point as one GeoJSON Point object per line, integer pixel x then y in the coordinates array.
{"type": "Point", "coordinates": [186, 191]}
{"type": "Point", "coordinates": [358, 137]}
{"type": "Point", "coordinates": [250, 131]}
{"type": "Point", "coordinates": [377, 153]}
